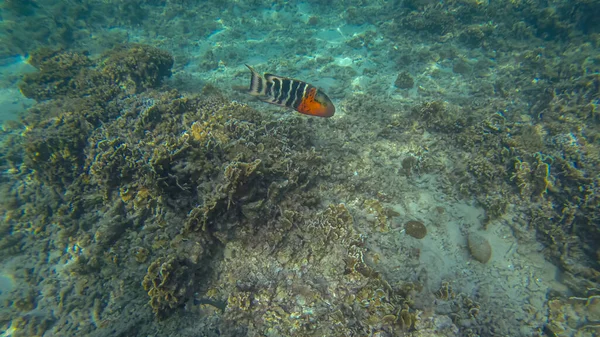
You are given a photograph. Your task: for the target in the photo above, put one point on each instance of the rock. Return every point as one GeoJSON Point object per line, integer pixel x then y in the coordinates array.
{"type": "Point", "coordinates": [479, 247]}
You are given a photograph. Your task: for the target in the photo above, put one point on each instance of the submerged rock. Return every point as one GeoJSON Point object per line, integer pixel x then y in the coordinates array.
{"type": "Point", "coordinates": [479, 247]}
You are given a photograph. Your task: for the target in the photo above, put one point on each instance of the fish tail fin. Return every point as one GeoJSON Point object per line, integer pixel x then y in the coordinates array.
{"type": "Point", "coordinates": [257, 85]}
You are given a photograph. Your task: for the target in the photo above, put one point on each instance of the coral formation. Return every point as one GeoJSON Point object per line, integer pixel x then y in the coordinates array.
{"type": "Point", "coordinates": [293, 307]}
{"type": "Point", "coordinates": [575, 316]}
{"type": "Point", "coordinates": [132, 67]}
{"type": "Point", "coordinates": [136, 68]}
{"type": "Point", "coordinates": [416, 229]}
{"type": "Point", "coordinates": [58, 73]}
{"type": "Point", "coordinates": [55, 148]}
{"type": "Point", "coordinates": [170, 175]}
{"type": "Point", "coordinates": [168, 283]}
{"type": "Point", "coordinates": [382, 214]}
{"type": "Point", "coordinates": [127, 196]}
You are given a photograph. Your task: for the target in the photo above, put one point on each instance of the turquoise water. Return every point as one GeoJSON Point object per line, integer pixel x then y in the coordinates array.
{"type": "Point", "coordinates": [145, 192]}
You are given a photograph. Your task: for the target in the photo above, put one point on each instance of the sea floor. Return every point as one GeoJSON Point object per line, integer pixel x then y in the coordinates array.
{"type": "Point", "coordinates": [428, 128]}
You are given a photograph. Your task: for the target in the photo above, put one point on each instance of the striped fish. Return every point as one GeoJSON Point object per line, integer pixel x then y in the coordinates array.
{"type": "Point", "coordinates": [290, 93]}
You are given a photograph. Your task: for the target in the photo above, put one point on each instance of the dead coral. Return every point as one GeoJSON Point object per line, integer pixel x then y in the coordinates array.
{"type": "Point", "coordinates": [574, 316]}
{"type": "Point", "coordinates": [314, 246]}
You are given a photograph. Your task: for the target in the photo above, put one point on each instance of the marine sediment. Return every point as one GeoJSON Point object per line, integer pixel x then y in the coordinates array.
{"type": "Point", "coordinates": [141, 196]}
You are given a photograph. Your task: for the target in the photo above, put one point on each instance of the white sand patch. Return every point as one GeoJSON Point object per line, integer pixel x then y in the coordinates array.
{"type": "Point", "coordinates": [513, 284]}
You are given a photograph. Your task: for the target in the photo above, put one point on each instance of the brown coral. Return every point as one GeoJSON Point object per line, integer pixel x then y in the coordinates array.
{"type": "Point", "coordinates": [56, 75]}
{"type": "Point", "coordinates": [168, 283]}
{"type": "Point", "coordinates": [416, 229]}
{"type": "Point", "coordinates": [137, 67]}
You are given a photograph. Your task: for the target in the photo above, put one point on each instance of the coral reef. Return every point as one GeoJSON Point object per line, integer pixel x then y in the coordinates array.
{"type": "Point", "coordinates": [132, 67]}
{"type": "Point", "coordinates": [148, 179]}
{"type": "Point", "coordinates": [169, 284]}
{"type": "Point", "coordinates": [267, 303]}
{"type": "Point", "coordinates": [382, 214]}
{"type": "Point", "coordinates": [57, 74]}
{"type": "Point", "coordinates": [127, 196]}
{"type": "Point", "coordinates": [54, 148]}
{"type": "Point", "coordinates": [575, 316]}
{"type": "Point", "coordinates": [136, 68]}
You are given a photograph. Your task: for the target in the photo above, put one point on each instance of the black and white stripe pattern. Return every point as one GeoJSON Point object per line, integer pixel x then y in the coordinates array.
{"type": "Point", "coordinates": [257, 83]}
{"type": "Point", "coordinates": [277, 90]}
{"type": "Point", "coordinates": [300, 93]}
{"type": "Point", "coordinates": [292, 94]}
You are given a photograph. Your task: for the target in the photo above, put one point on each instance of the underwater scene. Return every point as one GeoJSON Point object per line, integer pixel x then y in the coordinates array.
{"type": "Point", "coordinates": [411, 168]}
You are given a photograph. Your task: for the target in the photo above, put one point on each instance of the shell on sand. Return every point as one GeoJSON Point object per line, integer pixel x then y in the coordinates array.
{"type": "Point", "coordinates": [479, 247]}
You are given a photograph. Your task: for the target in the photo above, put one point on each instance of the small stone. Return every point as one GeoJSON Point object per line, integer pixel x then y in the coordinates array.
{"type": "Point", "coordinates": [479, 247]}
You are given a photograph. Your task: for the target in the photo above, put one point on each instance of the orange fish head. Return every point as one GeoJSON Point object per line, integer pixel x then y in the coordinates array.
{"type": "Point", "coordinates": [325, 107]}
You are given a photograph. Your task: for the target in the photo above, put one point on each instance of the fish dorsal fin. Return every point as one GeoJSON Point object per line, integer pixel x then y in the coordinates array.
{"type": "Point", "coordinates": [270, 77]}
